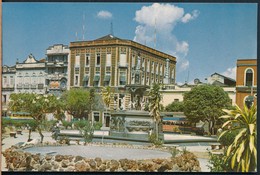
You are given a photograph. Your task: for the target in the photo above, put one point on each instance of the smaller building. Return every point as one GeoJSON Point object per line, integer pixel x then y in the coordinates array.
{"type": "Point", "coordinates": [8, 86]}
{"type": "Point", "coordinates": [30, 76]}
{"type": "Point", "coordinates": [221, 80]}
{"type": "Point", "coordinates": [57, 69]}
{"type": "Point", "coordinates": [246, 84]}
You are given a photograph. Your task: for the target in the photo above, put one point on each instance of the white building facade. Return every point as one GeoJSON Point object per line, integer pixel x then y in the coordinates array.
{"type": "Point", "coordinates": [30, 76]}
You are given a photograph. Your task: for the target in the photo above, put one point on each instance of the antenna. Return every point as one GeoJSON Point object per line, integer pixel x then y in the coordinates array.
{"type": "Point", "coordinates": [83, 27]}
{"type": "Point", "coordinates": [111, 28]}
{"type": "Point", "coordinates": [155, 33]}
{"type": "Point", "coordinates": [76, 34]}
{"type": "Point", "coordinates": [188, 76]}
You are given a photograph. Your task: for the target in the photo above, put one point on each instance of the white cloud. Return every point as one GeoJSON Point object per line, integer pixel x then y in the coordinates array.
{"type": "Point", "coordinates": [184, 64]}
{"type": "Point", "coordinates": [230, 72]}
{"type": "Point", "coordinates": [104, 14]}
{"type": "Point", "coordinates": [156, 24]}
{"type": "Point", "coordinates": [182, 47]}
{"type": "Point", "coordinates": [186, 18]}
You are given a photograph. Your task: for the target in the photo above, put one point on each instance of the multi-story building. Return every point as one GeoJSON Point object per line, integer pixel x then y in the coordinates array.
{"type": "Point", "coordinates": [111, 61]}
{"type": "Point", "coordinates": [57, 68]}
{"type": "Point", "coordinates": [8, 86]}
{"type": "Point", "coordinates": [246, 80]}
{"type": "Point", "coordinates": [30, 76]}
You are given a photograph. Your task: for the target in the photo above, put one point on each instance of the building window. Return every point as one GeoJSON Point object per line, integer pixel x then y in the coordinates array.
{"type": "Point", "coordinates": [87, 60]}
{"type": "Point", "coordinates": [176, 100]}
{"type": "Point", "coordinates": [40, 86]}
{"type": "Point", "coordinates": [96, 117]}
{"type": "Point", "coordinates": [77, 61]}
{"type": "Point", "coordinates": [143, 80]}
{"type": "Point", "coordinates": [106, 119]}
{"type": "Point", "coordinates": [76, 83]}
{"type": "Point", "coordinates": [147, 80]}
{"type": "Point", "coordinates": [148, 66]}
{"type": "Point", "coordinates": [133, 61]}
{"type": "Point", "coordinates": [107, 80]}
{"type": "Point", "coordinates": [5, 80]}
{"type": "Point", "coordinates": [108, 60]}
{"type": "Point", "coordinates": [157, 68]}
{"type": "Point", "coordinates": [152, 67]}
{"type": "Point", "coordinates": [96, 80]}
{"type": "Point", "coordinates": [249, 77]}
{"type": "Point", "coordinates": [122, 61]}
{"type": "Point", "coordinates": [98, 60]}
{"type": "Point", "coordinates": [143, 62]}
{"type": "Point", "coordinates": [160, 69]}
{"type": "Point", "coordinates": [85, 81]}
{"type": "Point", "coordinates": [122, 77]}
{"type": "Point", "coordinates": [11, 80]}
{"type": "Point", "coordinates": [76, 70]}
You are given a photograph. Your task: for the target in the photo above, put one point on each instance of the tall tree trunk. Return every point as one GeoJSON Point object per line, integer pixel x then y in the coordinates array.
{"type": "Point", "coordinates": [156, 130]}
{"type": "Point", "coordinates": [29, 139]}
{"type": "Point", "coordinates": [40, 132]}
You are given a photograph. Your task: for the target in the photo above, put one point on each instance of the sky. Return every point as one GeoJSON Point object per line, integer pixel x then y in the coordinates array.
{"type": "Point", "coordinates": [205, 37]}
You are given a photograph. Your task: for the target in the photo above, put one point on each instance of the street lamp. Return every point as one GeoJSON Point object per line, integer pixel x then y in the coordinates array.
{"type": "Point", "coordinates": [249, 101]}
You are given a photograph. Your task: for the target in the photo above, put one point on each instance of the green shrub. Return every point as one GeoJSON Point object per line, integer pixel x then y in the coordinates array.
{"type": "Point", "coordinates": [228, 138]}
{"type": "Point", "coordinates": [97, 125]}
{"type": "Point", "coordinates": [152, 139]}
{"type": "Point", "coordinates": [66, 124]}
{"type": "Point", "coordinates": [80, 124]}
{"type": "Point", "coordinates": [217, 163]}
{"type": "Point", "coordinates": [47, 125]}
{"type": "Point", "coordinates": [174, 151]}
{"type": "Point", "coordinates": [87, 132]}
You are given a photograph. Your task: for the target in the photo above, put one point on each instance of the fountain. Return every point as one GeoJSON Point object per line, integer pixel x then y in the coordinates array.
{"type": "Point", "coordinates": [134, 123]}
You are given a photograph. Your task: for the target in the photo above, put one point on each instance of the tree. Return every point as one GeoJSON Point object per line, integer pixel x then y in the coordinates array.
{"type": "Point", "coordinates": [78, 102]}
{"type": "Point", "coordinates": [37, 105]}
{"type": "Point", "coordinates": [205, 103]}
{"type": "Point", "coordinates": [242, 153]}
{"type": "Point", "coordinates": [175, 107]}
{"type": "Point", "coordinates": [155, 106]}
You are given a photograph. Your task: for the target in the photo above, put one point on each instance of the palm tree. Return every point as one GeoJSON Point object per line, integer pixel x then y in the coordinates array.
{"type": "Point", "coordinates": [242, 152]}
{"type": "Point", "coordinates": [155, 107]}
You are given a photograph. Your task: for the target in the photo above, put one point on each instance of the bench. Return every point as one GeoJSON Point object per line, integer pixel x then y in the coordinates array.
{"type": "Point", "coordinates": [69, 136]}
{"type": "Point", "coordinates": [19, 132]}
{"type": "Point", "coordinates": [13, 134]}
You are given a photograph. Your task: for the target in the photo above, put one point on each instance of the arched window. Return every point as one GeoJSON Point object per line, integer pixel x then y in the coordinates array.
{"type": "Point", "coordinates": [249, 77]}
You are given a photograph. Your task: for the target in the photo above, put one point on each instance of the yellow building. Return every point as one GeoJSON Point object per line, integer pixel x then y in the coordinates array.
{"type": "Point", "coordinates": [110, 61]}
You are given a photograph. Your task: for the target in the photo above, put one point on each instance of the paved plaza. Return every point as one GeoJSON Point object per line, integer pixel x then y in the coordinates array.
{"type": "Point", "coordinates": [111, 152]}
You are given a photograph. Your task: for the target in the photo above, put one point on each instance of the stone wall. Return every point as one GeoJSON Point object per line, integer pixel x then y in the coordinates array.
{"type": "Point", "coordinates": [18, 160]}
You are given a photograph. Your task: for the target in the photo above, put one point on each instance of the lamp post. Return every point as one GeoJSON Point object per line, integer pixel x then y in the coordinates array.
{"type": "Point", "coordinates": [250, 99]}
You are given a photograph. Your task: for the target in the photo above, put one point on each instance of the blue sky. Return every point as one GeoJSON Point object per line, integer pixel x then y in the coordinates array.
{"type": "Point", "coordinates": [205, 38]}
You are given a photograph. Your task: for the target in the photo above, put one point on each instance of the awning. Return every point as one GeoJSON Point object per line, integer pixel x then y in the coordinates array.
{"type": "Point", "coordinates": [86, 78]}
{"type": "Point", "coordinates": [107, 78]}
{"type": "Point", "coordinates": [123, 78]}
{"type": "Point", "coordinates": [96, 78]}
